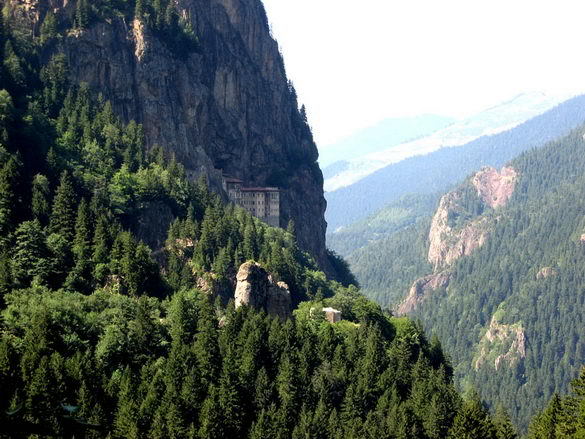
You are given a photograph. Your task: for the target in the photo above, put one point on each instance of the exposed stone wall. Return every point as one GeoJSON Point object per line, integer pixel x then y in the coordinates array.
{"type": "Point", "coordinates": [493, 187]}
{"type": "Point", "coordinates": [447, 244]}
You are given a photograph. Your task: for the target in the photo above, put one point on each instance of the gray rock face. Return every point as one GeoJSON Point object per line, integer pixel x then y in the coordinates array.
{"type": "Point", "coordinates": [256, 288]}
{"type": "Point", "coordinates": [227, 107]}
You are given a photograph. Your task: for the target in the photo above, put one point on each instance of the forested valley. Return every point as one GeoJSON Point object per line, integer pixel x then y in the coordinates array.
{"type": "Point", "coordinates": [511, 312]}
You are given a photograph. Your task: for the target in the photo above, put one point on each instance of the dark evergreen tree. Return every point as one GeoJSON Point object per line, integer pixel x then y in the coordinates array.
{"type": "Point", "coordinates": [63, 213]}
{"type": "Point", "coordinates": [30, 260]}
{"type": "Point", "coordinates": [49, 28]}
{"type": "Point", "coordinates": [8, 197]}
{"type": "Point", "coordinates": [503, 424]}
{"type": "Point", "coordinates": [80, 278]}
{"type": "Point", "coordinates": [16, 75]}
{"type": "Point", "coordinates": [472, 421]}
{"type": "Point", "coordinates": [82, 14]}
{"type": "Point", "coordinates": [40, 198]}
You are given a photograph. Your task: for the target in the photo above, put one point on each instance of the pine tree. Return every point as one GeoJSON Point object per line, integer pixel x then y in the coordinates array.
{"type": "Point", "coordinates": [158, 15]}
{"type": "Point", "coordinates": [230, 397]}
{"type": "Point", "coordinates": [287, 386]}
{"type": "Point", "coordinates": [82, 14]}
{"type": "Point", "coordinates": [8, 175]}
{"type": "Point", "coordinates": [5, 275]}
{"type": "Point", "coordinates": [80, 276]}
{"type": "Point", "coordinates": [2, 33]}
{"type": "Point", "coordinates": [55, 80]}
{"type": "Point", "coordinates": [63, 214]}
{"type": "Point", "coordinates": [545, 425]}
{"type": "Point", "coordinates": [126, 424]}
{"type": "Point", "coordinates": [13, 66]}
{"type": "Point", "coordinates": [8, 372]}
{"type": "Point", "coordinates": [210, 418]}
{"type": "Point", "coordinates": [263, 427]}
{"type": "Point", "coordinates": [304, 427]}
{"type": "Point", "coordinates": [6, 115]}
{"type": "Point", "coordinates": [40, 198]}
{"type": "Point", "coordinates": [206, 346]}
{"type": "Point", "coordinates": [472, 421]}
{"type": "Point", "coordinates": [49, 28]}
{"type": "Point", "coordinates": [503, 424]}
{"type": "Point", "coordinates": [42, 400]}
{"type": "Point", "coordinates": [249, 242]}
{"type": "Point", "coordinates": [30, 254]}
{"type": "Point", "coordinates": [139, 10]}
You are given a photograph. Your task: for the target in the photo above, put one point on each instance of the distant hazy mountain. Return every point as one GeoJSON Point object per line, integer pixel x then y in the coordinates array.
{"type": "Point", "coordinates": [491, 121]}
{"type": "Point", "coordinates": [436, 171]}
{"type": "Point", "coordinates": [384, 135]}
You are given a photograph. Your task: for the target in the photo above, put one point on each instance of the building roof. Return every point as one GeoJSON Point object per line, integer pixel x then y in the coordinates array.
{"type": "Point", "coordinates": [232, 180]}
{"type": "Point", "coordinates": [331, 310]}
{"type": "Point", "coordinates": [260, 189]}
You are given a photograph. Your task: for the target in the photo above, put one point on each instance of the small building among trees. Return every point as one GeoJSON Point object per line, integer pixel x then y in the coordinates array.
{"type": "Point", "coordinates": [332, 315]}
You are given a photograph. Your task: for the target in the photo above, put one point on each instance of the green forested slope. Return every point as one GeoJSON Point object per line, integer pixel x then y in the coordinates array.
{"type": "Point", "coordinates": [563, 418]}
{"type": "Point", "coordinates": [540, 227]}
{"type": "Point", "coordinates": [377, 227]}
{"type": "Point", "coordinates": [387, 267]}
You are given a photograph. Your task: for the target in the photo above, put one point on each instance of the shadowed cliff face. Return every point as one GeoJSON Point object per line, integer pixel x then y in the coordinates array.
{"type": "Point", "coordinates": [227, 107]}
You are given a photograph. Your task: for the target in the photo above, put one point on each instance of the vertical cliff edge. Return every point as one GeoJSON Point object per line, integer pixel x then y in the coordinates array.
{"type": "Point", "coordinates": [225, 107]}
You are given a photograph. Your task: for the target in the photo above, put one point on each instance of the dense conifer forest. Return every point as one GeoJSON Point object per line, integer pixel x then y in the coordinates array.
{"type": "Point", "coordinates": [102, 336]}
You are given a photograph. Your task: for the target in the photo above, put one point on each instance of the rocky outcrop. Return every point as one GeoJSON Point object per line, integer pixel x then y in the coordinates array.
{"type": "Point", "coordinates": [256, 288]}
{"type": "Point", "coordinates": [493, 187]}
{"type": "Point", "coordinates": [546, 272]}
{"type": "Point", "coordinates": [227, 107]}
{"type": "Point", "coordinates": [421, 289]}
{"type": "Point", "coordinates": [447, 244]}
{"type": "Point", "coordinates": [502, 344]}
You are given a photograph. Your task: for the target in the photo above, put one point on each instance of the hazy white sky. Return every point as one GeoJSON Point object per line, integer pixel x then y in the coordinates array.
{"type": "Point", "coordinates": [355, 62]}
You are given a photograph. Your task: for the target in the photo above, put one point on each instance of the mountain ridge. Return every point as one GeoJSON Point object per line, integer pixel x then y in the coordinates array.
{"type": "Point", "coordinates": [385, 134]}
{"type": "Point", "coordinates": [437, 171]}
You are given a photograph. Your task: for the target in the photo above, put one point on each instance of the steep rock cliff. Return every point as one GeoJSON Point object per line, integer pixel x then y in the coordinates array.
{"type": "Point", "coordinates": [226, 107]}
{"type": "Point", "coordinates": [461, 225]}
{"type": "Point", "coordinates": [493, 187]}
{"type": "Point", "coordinates": [447, 243]}
{"type": "Point", "coordinates": [450, 240]}
{"type": "Point", "coordinates": [421, 289]}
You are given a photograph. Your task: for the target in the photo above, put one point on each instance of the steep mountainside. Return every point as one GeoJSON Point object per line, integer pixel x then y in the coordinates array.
{"type": "Point", "coordinates": [500, 275]}
{"type": "Point", "coordinates": [437, 171]}
{"type": "Point", "coordinates": [224, 106]}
